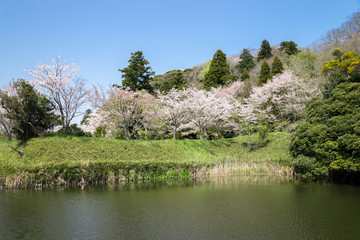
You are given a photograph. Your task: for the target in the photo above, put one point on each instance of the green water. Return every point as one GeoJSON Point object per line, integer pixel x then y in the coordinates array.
{"type": "Point", "coordinates": [223, 208]}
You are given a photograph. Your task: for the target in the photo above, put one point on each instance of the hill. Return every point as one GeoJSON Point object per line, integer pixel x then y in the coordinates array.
{"type": "Point", "coordinates": [79, 160]}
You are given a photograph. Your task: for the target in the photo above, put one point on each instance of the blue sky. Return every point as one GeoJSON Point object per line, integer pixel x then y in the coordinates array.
{"type": "Point", "coordinates": [100, 35]}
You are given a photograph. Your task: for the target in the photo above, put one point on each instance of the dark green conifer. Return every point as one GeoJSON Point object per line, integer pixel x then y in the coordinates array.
{"type": "Point", "coordinates": [137, 75]}
{"type": "Point", "coordinates": [245, 75]}
{"type": "Point", "coordinates": [265, 73]}
{"type": "Point", "coordinates": [265, 51]}
{"type": "Point", "coordinates": [219, 72]}
{"type": "Point", "coordinates": [246, 61]}
{"type": "Point", "coordinates": [31, 113]}
{"type": "Point", "coordinates": [277, 66]}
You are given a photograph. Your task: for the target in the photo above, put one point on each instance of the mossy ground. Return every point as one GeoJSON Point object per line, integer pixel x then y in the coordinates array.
{"type": "Point", "coordinates": [64, 160]}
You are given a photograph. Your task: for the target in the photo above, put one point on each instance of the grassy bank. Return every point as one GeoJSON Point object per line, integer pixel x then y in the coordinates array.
{"type": "Point", "coordinates": [77, 160]}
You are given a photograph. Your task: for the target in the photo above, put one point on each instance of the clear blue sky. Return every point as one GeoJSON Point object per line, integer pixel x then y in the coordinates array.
{"type": "Point", "coordinates": [100, 35]}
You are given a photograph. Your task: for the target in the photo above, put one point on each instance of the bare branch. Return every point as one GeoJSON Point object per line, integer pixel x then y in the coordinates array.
{"type": "Point", "coordinates": [21, 153]}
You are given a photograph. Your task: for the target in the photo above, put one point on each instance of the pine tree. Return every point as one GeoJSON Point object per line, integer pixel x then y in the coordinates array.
{"type": "Point", "coordinates": [277, 66]}
{"type": "Point", "coordinates": [265, 73]}
{"type": "Point", "coordinates": [245, 75]}
{"type": "Point", "coordinates": [246, 61]}
{"type": "Point", "coordinates": [265, 51]}
{"type": "Point", "coordinates": [137, 75]}
{"type": "Point", "coordinates": [219, 72]}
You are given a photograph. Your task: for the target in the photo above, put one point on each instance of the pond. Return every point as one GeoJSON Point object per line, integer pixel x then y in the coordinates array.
{"type": "Point", "coordinates": [240, 207]}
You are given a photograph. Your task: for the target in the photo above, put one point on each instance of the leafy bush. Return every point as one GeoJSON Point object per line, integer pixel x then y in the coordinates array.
{"type": "Point", "coordinates": [144, 134]}
{"type": "Point", "coordinates": [120, 134]}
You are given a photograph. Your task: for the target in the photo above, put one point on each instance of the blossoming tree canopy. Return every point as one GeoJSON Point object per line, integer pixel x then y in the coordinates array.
{"type": "Point", "coordinates": [59, 83]}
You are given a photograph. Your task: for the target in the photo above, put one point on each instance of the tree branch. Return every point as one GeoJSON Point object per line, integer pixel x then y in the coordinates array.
{"type": "Point", "coordinates": [21, 153]}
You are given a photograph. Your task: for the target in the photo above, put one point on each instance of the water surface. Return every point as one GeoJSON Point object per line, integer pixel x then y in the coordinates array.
{"type": "Point", "coordinates": [222, 208]}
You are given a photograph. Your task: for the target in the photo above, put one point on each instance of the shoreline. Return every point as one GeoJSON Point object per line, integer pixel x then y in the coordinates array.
{"type": "Point", "coordinates": [26, 180]}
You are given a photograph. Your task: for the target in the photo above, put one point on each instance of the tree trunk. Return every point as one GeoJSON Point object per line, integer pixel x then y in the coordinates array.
{"type": "Point", "coordinates": [175, 130]}
{"type": "Point", "coordinates": [218, 132]}
{"type": "Point", "coordinates": [201, 134]}
{"type": "Point", "coordinates": [67, 127]}
{"type": "Point", "coordinates": [126, 131]}
{"type": "Point", "coordinates": [64, 128]}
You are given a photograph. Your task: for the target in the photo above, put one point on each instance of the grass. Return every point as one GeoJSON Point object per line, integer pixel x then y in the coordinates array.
{"type": "Point", "coordinates": [74, 160]}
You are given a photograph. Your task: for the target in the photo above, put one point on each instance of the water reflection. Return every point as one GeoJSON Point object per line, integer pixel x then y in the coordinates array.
{"type": "Point", "coordinates": [245, 207]}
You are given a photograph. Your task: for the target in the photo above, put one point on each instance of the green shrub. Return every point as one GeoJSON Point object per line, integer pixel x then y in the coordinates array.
{"type": "Point", "coordinates": [74, 130]}
{"type": "Point", "coordinates": [160, 136]}
{"type": "Point", "coordinates": [144, 134]}
{"type": "Point", "coordinates": [100, 132]}
{"type": "Point", "coordinates": [303, 164]}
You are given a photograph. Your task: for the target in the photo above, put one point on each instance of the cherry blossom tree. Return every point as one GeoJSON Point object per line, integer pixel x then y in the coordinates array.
{"type": "Point", "coordinates": [95, 120]}
{"type": "Point", "coordinates": [234, 90]}
{"type": "Point", "coordinates": [206, 110]}
{"type": "Point", "coordinates": [284, 96]}
{"type": "Point", "coordinates": [126, 108]}
{"type": "Point", "coordinates": [98, 96]}
{"type": "Point", "coordinates": [242, 116]}
{"type": "Point", "coordinates": [59, 83]}
{"type": "Point", "coordinates": [240, 112]}
{"type": "Point", "coordinates": [172, 109]}
{"type": "Point", "coordinates": [98, 117]}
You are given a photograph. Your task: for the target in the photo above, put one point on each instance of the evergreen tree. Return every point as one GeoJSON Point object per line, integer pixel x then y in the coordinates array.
{"type": "Point", "coordinates": [277, 66]}
{"type": "Point", "coordinates": [137, 75]}
{"type": "Point", "coordinates": [290, 47]}
{"type": "Point", "coordinates": [219, 72]}
{"type": "Point", "coordinates": [178, 81]}
{"type": "Point", "coordinates": [265, 73]}
{"type": "Point", "coordinates": [265, 51]}
{"type": "Point", "coordinates": [246, 61]}
{"type": "Point", "coordinates": [30, 112]}
{"type": "Point", "coordinates": [245, 75]}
